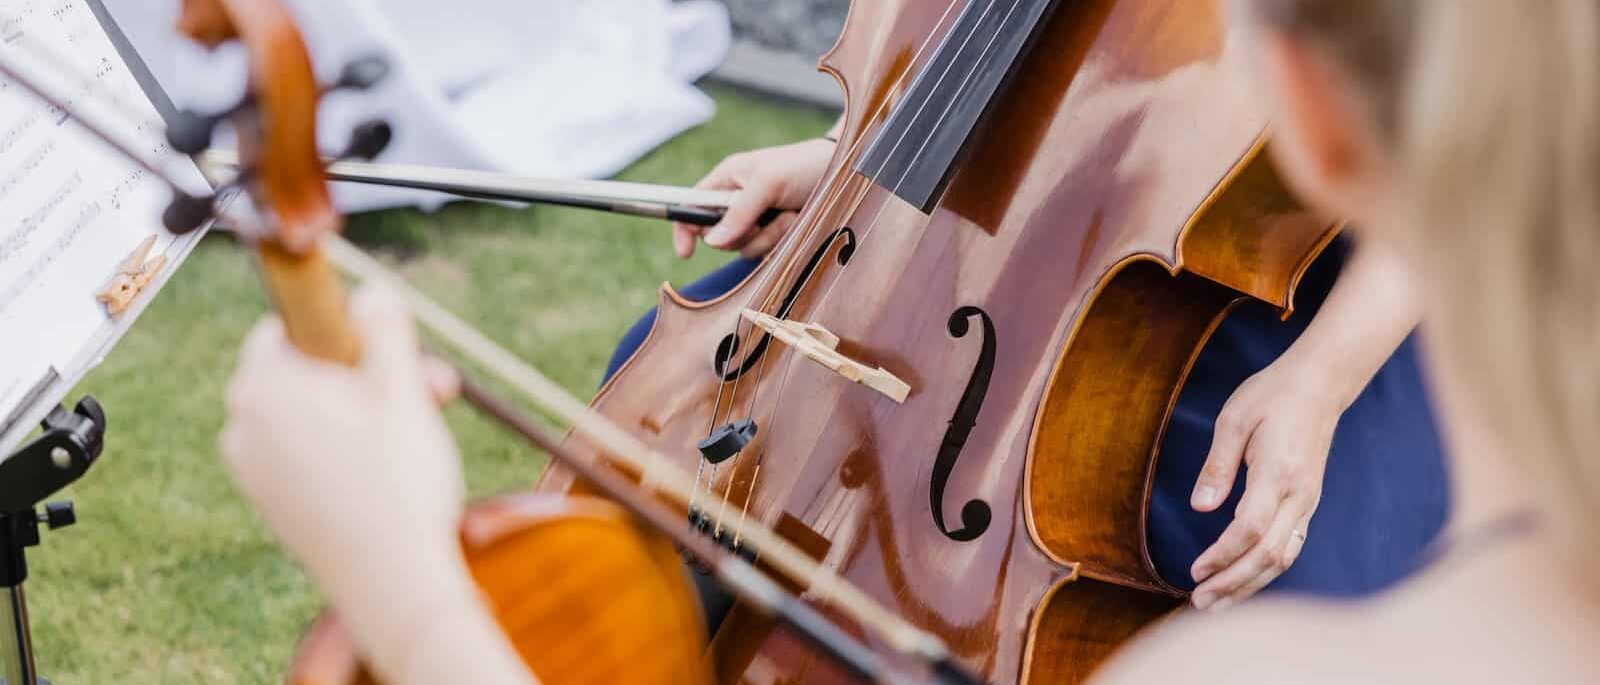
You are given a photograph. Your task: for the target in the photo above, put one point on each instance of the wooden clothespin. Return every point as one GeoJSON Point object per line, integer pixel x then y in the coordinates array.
{"type": "Point", "coordinates": [133, 274]}
{"type": "Point", "coordinates": [820, 345]}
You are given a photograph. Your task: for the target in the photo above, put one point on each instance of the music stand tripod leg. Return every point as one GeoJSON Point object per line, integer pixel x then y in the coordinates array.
{"type": "Point", "coordinates": [17, 653]}
{"type": "Point", "coordinates": [68, 445]}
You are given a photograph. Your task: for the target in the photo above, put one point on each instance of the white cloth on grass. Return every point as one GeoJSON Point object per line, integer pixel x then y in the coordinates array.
{"type": "Point", "coordinates": [563, 88]}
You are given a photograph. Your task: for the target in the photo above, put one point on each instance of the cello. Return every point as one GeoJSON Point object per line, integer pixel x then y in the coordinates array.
{"type": "Point", "coordinates": [949, 382]}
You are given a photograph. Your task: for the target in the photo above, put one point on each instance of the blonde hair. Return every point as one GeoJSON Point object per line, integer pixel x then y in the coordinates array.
{"type": "Point", "coordinates": [1493, 110]}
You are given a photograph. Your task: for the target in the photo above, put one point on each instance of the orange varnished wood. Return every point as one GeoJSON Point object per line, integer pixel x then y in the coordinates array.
{"type": "Point", "coordinates": [1110, 211]}
{"type": "Point", "coordinates": [1082, 622]}
{"type": "Point", "coordinates": [583, 595]}
{"type": "Point", "coordinates": [586, 597]}
{"type": "Point", "coordinates": [1121, 365]}
{"type": "Point", "coordinates": [306, 290]}
{"type": "Point", "coordinates": [1255, 237]}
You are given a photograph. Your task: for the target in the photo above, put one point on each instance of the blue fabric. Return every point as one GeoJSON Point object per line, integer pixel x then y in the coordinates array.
{"type": "Point", "coordinates": [1385, 492]}
{"type": "Point", "coordinates": [709, 287]}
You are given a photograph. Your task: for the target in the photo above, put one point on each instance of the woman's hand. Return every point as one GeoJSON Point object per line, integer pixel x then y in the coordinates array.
{"type": "Point", "coordinates": [355, 472]}
{"type": "Point", "coordinates": [771, 177]}
{"type": "Point", "coordinates": [333, 456]}
{"type": "Point", "coordinates": [1280, 423]}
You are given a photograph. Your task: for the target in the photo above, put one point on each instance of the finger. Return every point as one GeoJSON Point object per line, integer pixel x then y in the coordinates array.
{"type": "Point", "coordinates": [767, 238]}
{"type": "Point", "coordinates": [1281, 553]}
{"type": "Point", "coordinates": [779, 225]}
{"type": "Point", "coordinates": [1252, 520]}
{"type": "Point", "coordinates": [684, 237]}
{"type": "Point", "coordinates": [725, 175]}
{"type": "Point", "coordinates": [1228, 443]}
{"type": "Point", "coordinates": [442, 380]}
{"type": "Point", "coordinates": [390, 353]}
{"type": "Point", "coordinates": [1268, 560]}
{"type": "Point", "coordinates": [740, 219]}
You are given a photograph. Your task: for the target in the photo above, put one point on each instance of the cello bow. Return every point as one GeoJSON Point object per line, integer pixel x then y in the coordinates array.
{"type": "Point", "coordinates": [693, 206]}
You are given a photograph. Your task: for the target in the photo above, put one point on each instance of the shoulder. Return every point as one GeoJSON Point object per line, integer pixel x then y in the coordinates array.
{"type": "Point", "coordinates": [1267, 640]}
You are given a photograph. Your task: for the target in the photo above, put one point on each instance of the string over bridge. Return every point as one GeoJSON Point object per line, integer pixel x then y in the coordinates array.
{"type": "Point", "coordinates": [821, 346]}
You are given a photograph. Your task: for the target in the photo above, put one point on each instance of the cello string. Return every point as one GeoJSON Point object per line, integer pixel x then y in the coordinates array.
{"type": "Point", "coordinates": [789, 363]}
{"type": "Point", "coordinates": [767, 291]}
{"type": "Point", "coordinates": [789, 246]}
{"type": "Point", "coordinates": [830, 203]}
{"type": "Point", "coordinates": [744, 510]}
{"type": "Point", "coordinates": [700, 464]}
{"type": "Point", "coordinates": [842, 172]}
{"type": "Point", "coordinates": [844, 169]}
{"type": "Point", "coordinates": [860, 140]}
{"type": "Point", "coordinates": [917, 115]}
{"type": "Point", "coordinates": [906, 131]}
{"type": "Point", "coordinates": [951, 103]}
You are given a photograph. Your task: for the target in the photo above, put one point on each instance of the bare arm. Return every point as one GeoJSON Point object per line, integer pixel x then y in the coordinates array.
{"type": "Point", "coordinates": [1372, 308]}
{"type": "Point", "coordinates": [1281, 422]}
{"type": "Point", "coordinates": [420, 620]}
{"type": "Point", "coordinates": [357, 475]}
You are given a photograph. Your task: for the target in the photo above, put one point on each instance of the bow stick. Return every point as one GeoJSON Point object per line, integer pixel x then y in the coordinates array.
{"type": "Point", "coordinates": [687, 205]}
{"type": "Point", "coordinates": [302, 281]}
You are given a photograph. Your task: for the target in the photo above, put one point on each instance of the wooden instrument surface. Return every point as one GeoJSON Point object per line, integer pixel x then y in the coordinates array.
{"type": "Point", "coordinates": [584, 595]}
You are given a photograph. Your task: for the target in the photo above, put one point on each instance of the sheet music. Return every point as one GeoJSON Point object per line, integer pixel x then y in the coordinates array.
{"type": "Point", "coordinates": [71, 210]}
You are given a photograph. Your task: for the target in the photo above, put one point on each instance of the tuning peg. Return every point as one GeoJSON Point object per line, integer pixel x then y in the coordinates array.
{"type": "Point", "coordinates": [368, 140]}
{"type": "Point", "coordinates": [189, 132]}
{"type": "Point", "coordinates": [186, 212]}
{"type": "Point", "coordinates": [362, 73]}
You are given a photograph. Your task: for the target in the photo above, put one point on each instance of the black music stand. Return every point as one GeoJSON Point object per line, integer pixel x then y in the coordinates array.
{"type": "Point", "coordinates": [69, 444]}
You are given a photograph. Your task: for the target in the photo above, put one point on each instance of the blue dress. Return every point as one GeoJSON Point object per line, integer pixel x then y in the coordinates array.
{"type": "Point", "coordinates": [1385, 493]}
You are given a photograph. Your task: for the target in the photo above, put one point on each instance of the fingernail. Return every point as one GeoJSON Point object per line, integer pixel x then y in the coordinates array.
{"type": "Point", "coordinates": [1200, 601]}
{"type": "Point", "coordinates": [1200, 574]}
{"type": "Point", "coordinates": [1204, 496]}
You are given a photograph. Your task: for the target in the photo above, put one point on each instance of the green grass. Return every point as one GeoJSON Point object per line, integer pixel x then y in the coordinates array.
{"type": "Point", "coordinates": [169, 578]}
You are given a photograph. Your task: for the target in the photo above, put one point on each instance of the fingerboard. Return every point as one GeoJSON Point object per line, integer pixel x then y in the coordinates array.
{"type": "Point", "coordinates": [916, 150]}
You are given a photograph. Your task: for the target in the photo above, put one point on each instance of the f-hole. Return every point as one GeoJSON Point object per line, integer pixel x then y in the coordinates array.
{"type": "Point", "coordinates": [729, 345]}
{"type": "Point", "coordinates": [975, 514]}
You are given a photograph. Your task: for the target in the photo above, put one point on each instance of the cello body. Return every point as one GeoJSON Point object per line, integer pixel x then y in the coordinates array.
{"type": "Point", "coordinates": [1111, 205]}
